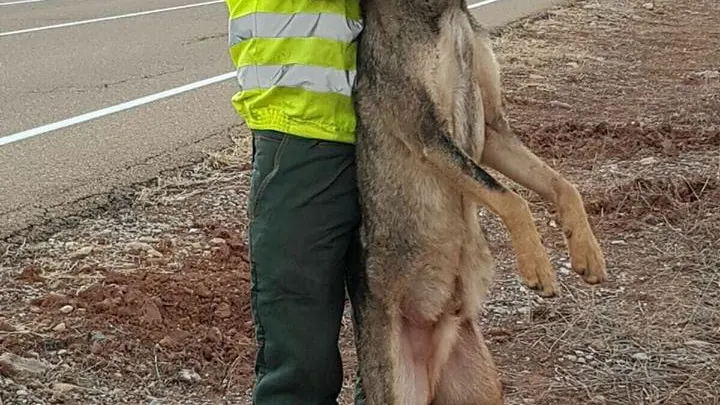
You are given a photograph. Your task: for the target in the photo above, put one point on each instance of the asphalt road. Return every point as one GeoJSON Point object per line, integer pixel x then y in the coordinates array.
{"type": "Point", "coordinates": [51, 75]}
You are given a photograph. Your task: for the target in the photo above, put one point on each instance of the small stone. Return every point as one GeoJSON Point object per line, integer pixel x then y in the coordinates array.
{"type": "Point", "coordinates": [218, 242]}
{"type": "Point", "coordinates": [571, 357]}
{"type": "Point", "coordinates": [13, 364]}
{"type": "Point", "coordinates": [214, 334]}
{"type": "Point", "coordinates": [500, 310]}
{"type": "Point", "coordinates": [598, 399]}
{"type": "Point", "coordinates": [564, 271]}
{"type": "Point", "coordinates": [203, 291]}
{"type": "Point", "coordinates": [21, 393]}
{"type": "Point", "coordinates": [641, 357]}
{"type": "Point", "coordinates": [649, 6]}
{"type": "Point", "coordinates": [573, 65]}
{"type": "Point", "coordinates": [81, 253]}
{"type": "Point", "coordinates": [64, 388]}
{"type": "Point", "coordinates": [67, 309]}
{"type": "Point", "coordinates": [60, 327]}
{"type": "Point", "coordinates": [189, 376]}
{"type": "Point", "coordinates": [581, 360]}
{"type": "Point", "coordinates": [618, 242]}
{"type": "Point", "coordinates": [154, 253]}
{"type": "Point", "coordinates": [223, 311]}
{"type": "Point", "coordinates": [648, 161]}
{"type": "Point", "coordinates": [148, 239]}
{"type": "Point", "coordinates": [137, 246]}
{"type": "Point", "coordinates": [553, 223]}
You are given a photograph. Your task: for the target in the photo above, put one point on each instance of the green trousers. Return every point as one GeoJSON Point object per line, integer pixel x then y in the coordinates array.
{"type": "Point", "coordinates": [304, 221]}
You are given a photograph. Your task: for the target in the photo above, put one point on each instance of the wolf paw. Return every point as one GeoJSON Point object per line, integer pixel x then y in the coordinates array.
{"type": "Point", "coordinates": [537, 273]}
{"type": "Point", "coordinates": [586, 257]}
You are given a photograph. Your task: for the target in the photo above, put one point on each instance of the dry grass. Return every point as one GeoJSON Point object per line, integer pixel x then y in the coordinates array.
{"type": "Point", "coordinates": [221, 169]}
{"type": "Point", "coordinates": [651, 338]}
{"type": "Point", "coordinates": [622, 99]}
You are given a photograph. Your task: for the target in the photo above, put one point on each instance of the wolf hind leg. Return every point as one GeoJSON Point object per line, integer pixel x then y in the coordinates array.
{"type": "Point", "coordinates": [393, 353]}
{"type": "Point", "coordinates": [469, 376]}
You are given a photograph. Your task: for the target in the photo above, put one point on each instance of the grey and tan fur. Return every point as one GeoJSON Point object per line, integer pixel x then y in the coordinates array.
{"type": "Point", "coordinates": [428, 99]}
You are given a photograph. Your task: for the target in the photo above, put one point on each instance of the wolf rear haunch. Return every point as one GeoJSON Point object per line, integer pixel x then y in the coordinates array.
{"type": "Point", "coordinates": [429, 107]}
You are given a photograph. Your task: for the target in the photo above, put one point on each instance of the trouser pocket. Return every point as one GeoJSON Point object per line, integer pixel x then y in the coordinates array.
{"type": "Point", "coordinates": [267, 147]}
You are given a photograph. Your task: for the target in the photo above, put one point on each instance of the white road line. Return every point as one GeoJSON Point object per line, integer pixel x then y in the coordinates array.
{"type": "Point", "coordinates": [137, 102]}
{"type": "Point", "coordinates": [480, 4]}
{"type": "Point", "coordinates": [114, 17]}
{"type": "Point", "coordinates": [113, 109]}
{"type": "Point", "coordinates": [10, 3]}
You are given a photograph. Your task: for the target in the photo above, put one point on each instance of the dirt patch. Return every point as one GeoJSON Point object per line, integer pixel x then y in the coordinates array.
{"type": "Point", "coordinates": [660, 200]}
{"type": "Point", "coordinates": [199, 315]}
{"type": "Point", "coordinates": [588, 142]}
{"type": "Point", "coordinates": [149, 304]}
{"type": "Point", "coordinates": [617, 62]}
{"type": "Point", "coordinates": [165, 327]}
{"type": "Point", "coordinates": [31, 274]}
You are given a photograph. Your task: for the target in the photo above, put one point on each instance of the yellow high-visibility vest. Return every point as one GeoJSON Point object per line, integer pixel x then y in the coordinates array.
{"type": "Point", "coordinates": [295, 62]}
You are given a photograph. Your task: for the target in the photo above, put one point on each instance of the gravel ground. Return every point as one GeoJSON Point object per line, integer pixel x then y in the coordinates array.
{"type": "Point", "coordinates": [145, 300]}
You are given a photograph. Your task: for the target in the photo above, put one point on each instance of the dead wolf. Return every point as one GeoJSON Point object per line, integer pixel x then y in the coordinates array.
{"type": "Point", "coordinates": [430, 112]}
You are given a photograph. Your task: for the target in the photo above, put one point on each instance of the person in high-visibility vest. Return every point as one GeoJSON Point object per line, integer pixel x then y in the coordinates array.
{"type": "Point", "coordinates": [295, 64]}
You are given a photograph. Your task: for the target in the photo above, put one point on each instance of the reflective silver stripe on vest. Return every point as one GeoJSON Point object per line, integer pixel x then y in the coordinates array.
{"type": "Point", "coordinates": [272, 25]}
{"type": "Point", "coordinates": [313, 78]}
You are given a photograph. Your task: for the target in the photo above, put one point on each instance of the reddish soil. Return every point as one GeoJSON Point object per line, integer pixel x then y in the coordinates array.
{"type": "Point", "coordinates": [622, 97]}
{"type": "Point", "coordinates": [603, 141]}
{"type": "Point", "coordinates": [195, 317]}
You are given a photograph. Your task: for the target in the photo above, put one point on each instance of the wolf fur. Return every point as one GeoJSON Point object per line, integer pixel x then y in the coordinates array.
{"type": "Point", "coordinates": [428, 99]}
